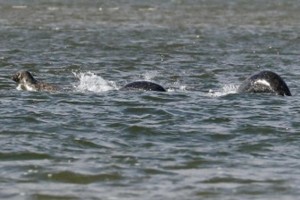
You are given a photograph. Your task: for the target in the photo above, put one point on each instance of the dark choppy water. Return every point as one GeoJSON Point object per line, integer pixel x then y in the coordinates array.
{"type": "Point", "coordinates": [199, 140]}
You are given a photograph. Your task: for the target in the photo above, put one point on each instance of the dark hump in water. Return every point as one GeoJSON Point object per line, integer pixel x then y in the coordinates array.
{"type": "Point", "coordinates": [144, 85]}
{"type": "Point", "coordinates": [265, 82]}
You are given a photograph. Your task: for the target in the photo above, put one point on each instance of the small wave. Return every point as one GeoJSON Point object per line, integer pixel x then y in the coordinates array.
{"type": "Point", "coordinates": [91, 82]}
{"type": "Point", "coordinates": [19, 7]}
{"type": "Point", "coordinates": [225, 90]}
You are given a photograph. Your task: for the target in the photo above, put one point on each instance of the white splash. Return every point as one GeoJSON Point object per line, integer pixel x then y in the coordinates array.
{"type": "Point", "coordinates": [225, 90]}
{"type": "Point", "coordinates": [91, 82]}
{"type": "Point", "coordinates": [150, 75]}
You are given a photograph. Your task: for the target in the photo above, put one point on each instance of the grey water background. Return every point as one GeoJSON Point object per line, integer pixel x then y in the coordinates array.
{"type": "Point", "coordinates": [199, 140]}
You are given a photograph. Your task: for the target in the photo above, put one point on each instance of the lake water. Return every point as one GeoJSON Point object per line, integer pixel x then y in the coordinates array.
{"type": "Point", "coordinates": [199, 140]}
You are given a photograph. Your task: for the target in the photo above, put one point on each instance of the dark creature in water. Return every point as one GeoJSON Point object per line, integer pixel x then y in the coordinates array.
{"type": "Point", "coordinates": [144, 85]}
{"type": "Point", "coordinates": [26, 81]}
{"type": "Point", "coordinates": [265, 82]}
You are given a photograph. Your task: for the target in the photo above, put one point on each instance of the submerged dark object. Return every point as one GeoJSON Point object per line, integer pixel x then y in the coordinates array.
{"type": "Point", "coordinates": [144, 85]}
{"type": "Point", "coordinates": [26, 81]}
{"type": "Point", "coordinates": [265, 82]}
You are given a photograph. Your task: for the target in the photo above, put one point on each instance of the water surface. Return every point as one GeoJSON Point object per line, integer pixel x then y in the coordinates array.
{"type": "Point", "coordinates": [199, 140]}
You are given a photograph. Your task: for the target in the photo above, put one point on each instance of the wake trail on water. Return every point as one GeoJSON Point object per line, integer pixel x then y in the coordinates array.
{"type": "Point", "coordinates": [225, 90]}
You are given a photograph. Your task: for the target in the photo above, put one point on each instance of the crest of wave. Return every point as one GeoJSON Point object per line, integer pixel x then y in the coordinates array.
{"type": "Point", "coordinates": [89, 81]}
{"type": "Point", "coordinates": [225, 90]}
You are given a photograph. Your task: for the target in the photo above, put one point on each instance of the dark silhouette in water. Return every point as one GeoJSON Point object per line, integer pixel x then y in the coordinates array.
{"type": "Point", "coordinates": [262, 82]}
{"type": "Point", "coordinates": [26, 81]}
{"type": "Point", "coordinates": [265, 82]}
{"type": "Point", "coordinates": [144, 85]}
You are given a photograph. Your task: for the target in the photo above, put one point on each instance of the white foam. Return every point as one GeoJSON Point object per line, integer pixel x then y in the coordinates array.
{"type": "Point", "coordinates": [225, 90]}
{"type": "Point", "coordinates": [91, 82]}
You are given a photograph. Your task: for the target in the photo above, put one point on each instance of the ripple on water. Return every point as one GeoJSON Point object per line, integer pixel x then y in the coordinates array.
{"type": "Point", "coordinates": [79, 178]}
